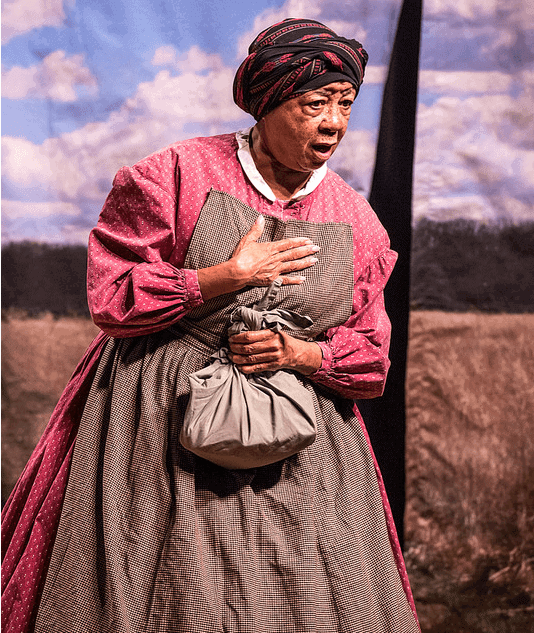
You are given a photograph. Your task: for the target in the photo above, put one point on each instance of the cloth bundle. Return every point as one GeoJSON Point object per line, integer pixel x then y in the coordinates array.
{"type": "Point", "coordinates": [243, 421]}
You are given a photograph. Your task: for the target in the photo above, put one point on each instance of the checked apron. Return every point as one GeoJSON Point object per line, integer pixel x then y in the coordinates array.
{"type": "Point", "coordinates": [154, 539]}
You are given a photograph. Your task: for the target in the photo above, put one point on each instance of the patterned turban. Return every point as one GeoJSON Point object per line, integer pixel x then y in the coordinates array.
{"type": "Point", "coordinates": [292, 57]}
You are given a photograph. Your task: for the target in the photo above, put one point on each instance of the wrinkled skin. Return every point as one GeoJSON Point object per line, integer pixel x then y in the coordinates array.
{"type": "Point", "coordinates": [300, 135]}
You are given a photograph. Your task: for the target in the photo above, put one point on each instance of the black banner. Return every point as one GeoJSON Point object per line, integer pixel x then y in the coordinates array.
{"type": "Point", "coordinates": [391, 198]}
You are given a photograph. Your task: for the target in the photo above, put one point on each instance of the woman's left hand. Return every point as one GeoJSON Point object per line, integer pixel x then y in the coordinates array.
{"type": "Point", "coordinates": [265, 350]}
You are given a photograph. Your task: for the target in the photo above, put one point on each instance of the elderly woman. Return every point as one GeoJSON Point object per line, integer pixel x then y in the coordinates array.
{"type": "Point", "coordinates": [151, 537]}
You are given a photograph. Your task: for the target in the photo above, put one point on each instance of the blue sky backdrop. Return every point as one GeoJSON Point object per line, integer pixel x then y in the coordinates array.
{"type": "Point", "coordinates": [91, 85]}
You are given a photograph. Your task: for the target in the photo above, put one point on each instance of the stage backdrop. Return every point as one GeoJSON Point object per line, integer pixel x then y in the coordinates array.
{"type": "Point", "coordinates": [91, 85]}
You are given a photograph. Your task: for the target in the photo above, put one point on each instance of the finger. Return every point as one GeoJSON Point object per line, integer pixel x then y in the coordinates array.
{"type": "Point", "coordinates": [262, 347]}
{"type": "Point", "coordinates": [255, 359]}
{"type": "Point", "coordinates": [299, 252]}
{"type": "Point", "coordinates": [298, 264]}
{"type": "Point", "coordinates": [252, 336]}
{"type": "Point", "coordinates": [252, 369]}
{"type": "Point", "coordinates": [263, 362]}
{"type": "Point", "coordinates": [255, 231]}
{"type": "Point", "coordinates": [291, 242]}
{"type": "Point", "coordinates": [259, 367]}
{"type": "Point", "coordinates": [294, 280]}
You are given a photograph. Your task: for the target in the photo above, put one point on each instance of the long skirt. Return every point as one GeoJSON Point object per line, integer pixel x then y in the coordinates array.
{"type": "Point", "coordinates": [153, 538]}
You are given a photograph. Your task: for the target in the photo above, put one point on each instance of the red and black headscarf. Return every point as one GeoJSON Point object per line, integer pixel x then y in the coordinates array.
{"type": "Point", "coordinates": [292, 57]}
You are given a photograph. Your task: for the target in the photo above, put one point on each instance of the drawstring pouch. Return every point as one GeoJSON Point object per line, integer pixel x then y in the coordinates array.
{"type": "Point", "coordinates": [243, 421]}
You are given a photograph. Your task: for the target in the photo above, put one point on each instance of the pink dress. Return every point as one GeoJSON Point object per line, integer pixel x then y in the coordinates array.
{"type": "Point", "coordinates": [143, 289]}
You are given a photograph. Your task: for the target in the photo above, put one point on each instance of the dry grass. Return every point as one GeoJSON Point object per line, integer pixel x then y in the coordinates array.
{"type": "Point", "coordinates": [470, 453]}
{"type": "Point", "coordinates": [38, 357]}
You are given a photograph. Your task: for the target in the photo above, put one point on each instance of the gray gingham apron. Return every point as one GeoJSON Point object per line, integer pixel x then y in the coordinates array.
{"type": "Point", "coordinates": [153, 539]}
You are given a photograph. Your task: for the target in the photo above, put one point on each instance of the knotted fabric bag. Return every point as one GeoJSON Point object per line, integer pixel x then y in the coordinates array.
{"type": "Point", "coordinates": [244, 421]}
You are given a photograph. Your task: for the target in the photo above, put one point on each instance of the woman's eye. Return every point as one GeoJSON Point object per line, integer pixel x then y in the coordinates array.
{"type": "Point", "coordinates": [346, 104]}
{"type": "Point", "coordinates": [316, 104]}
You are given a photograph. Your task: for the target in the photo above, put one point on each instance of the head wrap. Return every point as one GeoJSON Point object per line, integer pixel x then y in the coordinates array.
{"type": "Point", "coordinates": [292, 57]}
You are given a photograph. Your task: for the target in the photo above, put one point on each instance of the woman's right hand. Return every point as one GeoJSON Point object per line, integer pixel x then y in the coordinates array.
{"type": "Point", "coordinates": [256, 263]}
{"type": "Point", "coordinates": [260, 263]}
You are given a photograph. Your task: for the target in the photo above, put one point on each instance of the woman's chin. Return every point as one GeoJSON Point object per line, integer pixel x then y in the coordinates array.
{"type": "Point", "coordinates": [319, 156]}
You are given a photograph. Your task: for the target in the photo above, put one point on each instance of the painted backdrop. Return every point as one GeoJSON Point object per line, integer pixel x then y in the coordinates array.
{"type": "Point", "coordinates": [91, 85]}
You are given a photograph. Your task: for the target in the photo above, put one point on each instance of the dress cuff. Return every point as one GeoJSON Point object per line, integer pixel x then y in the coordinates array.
{"type": "Point", "coordinates": [326, 364]}
{"type": "Point", "coordinates": [194, 296]}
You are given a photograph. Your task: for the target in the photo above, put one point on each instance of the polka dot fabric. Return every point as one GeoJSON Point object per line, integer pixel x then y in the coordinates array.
{"type": "Point", "coordinates": [137, 285]}
{"type": "Point", "coordinates": [31, 514]}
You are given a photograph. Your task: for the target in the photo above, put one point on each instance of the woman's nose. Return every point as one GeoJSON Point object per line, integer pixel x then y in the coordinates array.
{"type": "Point", "coordinates": [333, 118]}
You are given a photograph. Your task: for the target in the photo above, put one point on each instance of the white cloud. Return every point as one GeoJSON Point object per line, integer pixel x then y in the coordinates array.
{"type": "Point", "coordinates": [71, 234]}
{"type": "Point", "coordinates": [192, 97]}
{"type": "Point", "coordinates": [354, 159]}
{"type": "Point", "coordinates": [77, 168]}
{"type": "Point", "coordinates": [468, 82]}
{"type": "Point", "coordinates": [468, 9]}
{"type": "Point", "coordinates": [509, 119]}
{"type": "Point", "coordinates": [494, 33]}
{"type": "Point", "coordinates": [194, 61]}
{"type": "Point", "coordinates": [517, 210]}
{"type": "Point", "coordinates": [20, 16]}
{"type": "Point", "coordinates": [475, 149]}
{"type": "Point", "coordinates": [165, 56]}
{"type": "Point", "coordinates": [375, 74]}
{"type": "Point", "coordinates": [25, 163]}
{"type": "Point", "coordinates": [472, 207]}
{"type": "Point", "coordinates": [309, 9]}
{"type": "Point", "coordinates": [517, 12]}
{"type": "Point", "coordinates": [445, 208]}
{"type": "Point", "coordinates": [55, 78]}
{"type": "Point", "coordinates": [474, 153]}
{"type": "Point", "coordinates": [43, 231]}
{"type": "Point", "coordinates": [13, 209]}
{"type": "Point", "coordinates": [478, 154]}
{"type": "Point", "coordinates": [82, 163]}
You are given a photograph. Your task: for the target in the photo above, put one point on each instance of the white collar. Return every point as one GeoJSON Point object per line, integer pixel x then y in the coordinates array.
{"type": "Point", "coordinates": [250, 169]}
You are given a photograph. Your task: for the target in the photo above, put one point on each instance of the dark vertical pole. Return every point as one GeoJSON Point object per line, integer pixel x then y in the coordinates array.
{"type": "Point", "coordinates": [391, 198]}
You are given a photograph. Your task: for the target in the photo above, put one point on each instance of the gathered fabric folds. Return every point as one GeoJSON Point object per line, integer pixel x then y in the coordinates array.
{"type": "Point", "coordinates": [244, 421]}
{"type": "Point", "coordinates": [154, 538]}
{"type": "Point", "coordinates": [151, 537]}
{"type": "Point", "coordinates": [291, 57]}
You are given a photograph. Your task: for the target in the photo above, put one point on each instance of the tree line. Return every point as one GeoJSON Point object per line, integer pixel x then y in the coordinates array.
{"type": "Point", "coordinates": [39, 278]}
{"type": "Point", "coordinates": [464, 265]}
{"type": "Point", "coordinates": [455, 266]}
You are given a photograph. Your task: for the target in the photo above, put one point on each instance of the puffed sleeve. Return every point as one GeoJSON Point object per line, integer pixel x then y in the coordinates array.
{"type": "Point", "coordinates": [355, 354]}
{"type": "Point", "coordinates": [131, 286]}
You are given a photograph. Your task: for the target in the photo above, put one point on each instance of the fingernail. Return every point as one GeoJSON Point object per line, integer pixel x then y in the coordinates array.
{"type": "Point", "coordinates": [314, 260]}
{"type": "Point", "coordinates": [316, 248]}
{"type": "Point", "coordinates": [260, 219]}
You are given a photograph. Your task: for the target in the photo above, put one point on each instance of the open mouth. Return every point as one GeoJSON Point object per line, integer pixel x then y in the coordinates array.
{"type": "Point", "coordinates": [323, 148]}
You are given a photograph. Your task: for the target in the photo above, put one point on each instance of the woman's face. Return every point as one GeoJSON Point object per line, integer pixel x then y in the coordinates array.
{"type": "Point", "coordinates": [301, 134]}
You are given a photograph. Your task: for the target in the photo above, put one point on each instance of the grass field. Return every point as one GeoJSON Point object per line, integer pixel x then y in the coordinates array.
{"type": "Point", "coordinates": [470, 454]}
{"type": "Point", "coordinates": [38, 358]}
{"type": "Point", "coordinates": [470, 471]}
